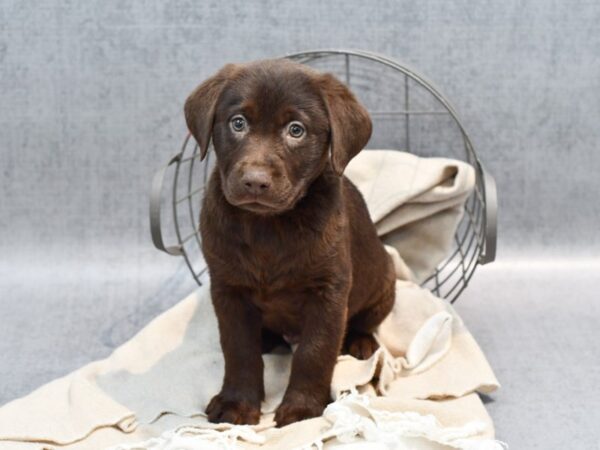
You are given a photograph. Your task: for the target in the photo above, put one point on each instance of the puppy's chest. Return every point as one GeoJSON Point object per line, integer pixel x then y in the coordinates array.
{"type": "Point", "coordinates": [277, 279]}
{"type": "Point", "coordinates": [271, 262]}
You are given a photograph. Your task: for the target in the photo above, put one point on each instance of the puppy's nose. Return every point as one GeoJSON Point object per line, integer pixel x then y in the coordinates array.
{"type": "Point", "coordinates": [256, 181]}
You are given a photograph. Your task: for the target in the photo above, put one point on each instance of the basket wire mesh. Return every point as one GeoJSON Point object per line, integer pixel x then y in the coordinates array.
{"type": "Point", "coordinates": [408, 114]}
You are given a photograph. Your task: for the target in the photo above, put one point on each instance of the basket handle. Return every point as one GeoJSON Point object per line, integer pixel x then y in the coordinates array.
{"type": "Point", "coordinates": [491, 217]}
{"type": "Point", "coordinates": [155, 204]}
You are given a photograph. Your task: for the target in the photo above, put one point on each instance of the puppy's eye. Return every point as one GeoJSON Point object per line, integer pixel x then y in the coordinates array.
{"type": "Point", "coordinates": [238, 123]}
{"type": "Point", "coordinates": [296, 130]}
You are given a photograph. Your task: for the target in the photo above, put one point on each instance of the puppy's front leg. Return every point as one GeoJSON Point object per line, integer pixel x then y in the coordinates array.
{"type": "Point", "coordinates": [308, 390]}
{"type": "Point", "coordinates": [240, 333]}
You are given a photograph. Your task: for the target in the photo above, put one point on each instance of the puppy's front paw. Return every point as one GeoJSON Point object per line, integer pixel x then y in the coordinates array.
{"type": "Point", "coordinates": [298, 407]}
{"type": "Point", "coordinates": [224, 408]}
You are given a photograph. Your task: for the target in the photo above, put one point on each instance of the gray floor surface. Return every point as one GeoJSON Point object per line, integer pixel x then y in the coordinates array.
{"type": "Point", "coordinates": [536, 320]}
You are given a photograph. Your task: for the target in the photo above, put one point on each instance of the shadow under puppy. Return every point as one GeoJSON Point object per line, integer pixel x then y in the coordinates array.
{"type": "Point", "coordinates": [288, 240]}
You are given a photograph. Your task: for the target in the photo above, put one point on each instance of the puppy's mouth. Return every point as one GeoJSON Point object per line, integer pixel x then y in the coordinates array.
{"type": "Point", "coordinates": [258, 207]}
{"type": "Point", "coordinates": [263, 206]}
{"type": "Point", "coordinates": [271, 203]}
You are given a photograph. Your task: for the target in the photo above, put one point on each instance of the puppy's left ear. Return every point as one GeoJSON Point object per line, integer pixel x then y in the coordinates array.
{"type": "Point", "coordinates": [201, 104]}
{"type": "Point", "coordinates": [349, 122]}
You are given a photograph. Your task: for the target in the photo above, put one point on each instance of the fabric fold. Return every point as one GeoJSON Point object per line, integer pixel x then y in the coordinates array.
{"type": "Point", "coordinates": [416, 203]}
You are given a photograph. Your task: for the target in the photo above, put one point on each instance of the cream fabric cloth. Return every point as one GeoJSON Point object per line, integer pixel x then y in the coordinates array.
{"type": "Point", "coordinates": [415, 203]}
{"type": "Point", "coordinates": [417, 388]}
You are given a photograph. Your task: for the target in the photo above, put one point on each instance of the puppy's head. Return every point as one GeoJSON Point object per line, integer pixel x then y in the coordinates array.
{"type": "Point", "coordinates": [275, 125]}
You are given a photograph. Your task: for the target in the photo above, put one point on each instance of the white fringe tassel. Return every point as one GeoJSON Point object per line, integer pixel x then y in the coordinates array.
{"type": "Point", "coordinates": [191, 437]}
{"type": "Point", "coordinates": [352, 419]}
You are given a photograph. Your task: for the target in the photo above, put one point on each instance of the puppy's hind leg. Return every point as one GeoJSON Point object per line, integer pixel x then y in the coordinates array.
{"type": "Point", "coordinates": [359, 341]}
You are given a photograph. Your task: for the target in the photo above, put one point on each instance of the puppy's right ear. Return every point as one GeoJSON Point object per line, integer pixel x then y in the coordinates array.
{"type": "Point", "coordinates": [201, 104]}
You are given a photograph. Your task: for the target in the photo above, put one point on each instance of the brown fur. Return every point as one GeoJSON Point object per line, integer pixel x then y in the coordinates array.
{"type": "Point", "coordinates": [290, 247]}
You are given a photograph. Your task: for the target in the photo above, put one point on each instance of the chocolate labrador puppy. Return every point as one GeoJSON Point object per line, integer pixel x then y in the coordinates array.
{"type": "Point", "coordinates": [288, 240]}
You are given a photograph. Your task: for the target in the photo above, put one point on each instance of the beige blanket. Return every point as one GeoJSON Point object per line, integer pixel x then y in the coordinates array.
{"type": "Point", "coordinates": [416, 203]}
{"type": "Point", "coordinates": [418, 388]}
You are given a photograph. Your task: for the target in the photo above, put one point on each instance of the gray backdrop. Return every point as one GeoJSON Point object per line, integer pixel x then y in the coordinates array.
{"type": "Point", "coordinates": [91, 106]}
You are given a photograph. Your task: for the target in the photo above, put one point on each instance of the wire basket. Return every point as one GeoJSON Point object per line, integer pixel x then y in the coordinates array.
{"type": "Point", "coordinates": [408, 114]}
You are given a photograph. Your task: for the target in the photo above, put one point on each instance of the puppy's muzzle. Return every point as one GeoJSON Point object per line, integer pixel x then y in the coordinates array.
{"type": "Point", "coordinates": [258, 186]}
